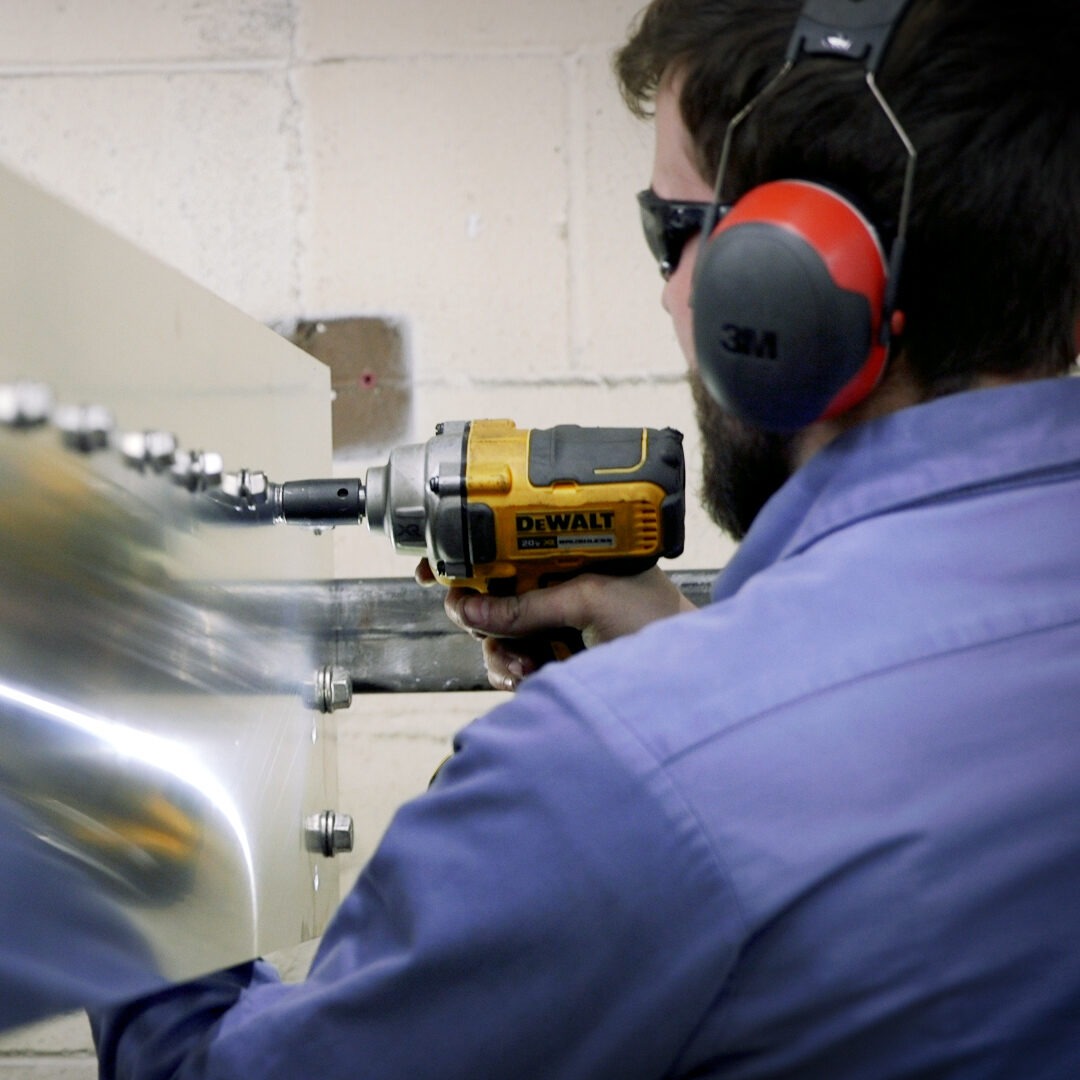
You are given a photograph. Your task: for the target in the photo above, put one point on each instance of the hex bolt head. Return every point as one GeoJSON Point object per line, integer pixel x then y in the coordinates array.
{"type": "Point", "coordinates": [257, 485]}
{"type": "Point", "coordinates": [341, 834]}
{"type": "Point", "coordinates": [132, 446]}
{"type": "Point", "coordinates": [84, 427]}
{"type": "Point", "coordinates": [156, 449]}
{"type": "Point", "coordinates": [197, 469]}
{"type": "Point", "coordinates": [328, 833]}
{"type": "Point", "coordinates": [245, 488]}
{"type": "Point", "coordinates": [334, 689]}
{"type": "Point", "coordinates": [160, 449]}
{"type": "Point", "coordinates": [232, 484]}
{"type": "Point", "coordinates": [340, 690]}
{"type": "Point", "coordinates": [181, 470]}
{"type": "Point", "coordinates": [24, 404]}
{"type": "Point", "coordinates": [329, 690]}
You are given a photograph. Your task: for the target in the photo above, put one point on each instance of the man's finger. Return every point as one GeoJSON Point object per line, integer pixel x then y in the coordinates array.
{"type": "Point", "coordinates": [423, 574]}
{"type": "Point", "coordinates": [505, 667]}
{"type": "Point", "coordinates": [532, 612]}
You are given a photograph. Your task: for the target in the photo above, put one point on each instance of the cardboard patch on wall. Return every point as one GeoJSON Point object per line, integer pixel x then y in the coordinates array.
{"type": "Point", "coordinates": [370, 377]}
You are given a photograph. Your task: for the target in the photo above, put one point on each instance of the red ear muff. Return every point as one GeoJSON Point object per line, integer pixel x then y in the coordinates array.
{"type": "Point", "coordinates": [788, 298]}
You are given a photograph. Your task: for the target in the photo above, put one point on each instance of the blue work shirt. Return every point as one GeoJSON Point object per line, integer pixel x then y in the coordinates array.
{"type": "Point", "coordinates": [63, 945]}
{"type": "Point", "coordinates": [827, 827]}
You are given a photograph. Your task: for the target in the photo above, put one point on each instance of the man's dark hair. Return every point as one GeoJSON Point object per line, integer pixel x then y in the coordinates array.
{"type": "Point", "coordinates": [989, 94]}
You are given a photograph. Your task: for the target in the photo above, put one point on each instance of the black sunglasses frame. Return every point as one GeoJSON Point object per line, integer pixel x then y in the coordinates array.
{"type": "Point", "coordinates": [670, 224]}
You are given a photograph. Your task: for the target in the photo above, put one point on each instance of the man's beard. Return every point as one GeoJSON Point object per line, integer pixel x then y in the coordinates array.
{"type": "Point", "coordinates": [743, 466]}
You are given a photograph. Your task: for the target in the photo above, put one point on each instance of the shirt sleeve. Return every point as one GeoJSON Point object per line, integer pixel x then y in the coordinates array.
{"type": "Point", "coordinates": [548, 909]}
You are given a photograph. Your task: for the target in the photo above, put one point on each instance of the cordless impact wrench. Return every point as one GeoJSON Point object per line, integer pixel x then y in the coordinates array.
{"type": "Point", "coordinates": [503, 510]}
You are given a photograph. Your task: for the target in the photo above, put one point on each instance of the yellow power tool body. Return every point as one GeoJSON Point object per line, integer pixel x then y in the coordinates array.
{"type": "Point", "coordinates": [503, 510]}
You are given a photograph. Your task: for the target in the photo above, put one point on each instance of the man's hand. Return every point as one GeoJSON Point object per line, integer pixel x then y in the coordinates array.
{"type": "Point", "coordinates": [602, 607]}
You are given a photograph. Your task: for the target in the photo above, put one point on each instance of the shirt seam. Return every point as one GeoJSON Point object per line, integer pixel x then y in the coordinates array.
{"type": "Point", "coordinates": [853, 680]}
{"type": "Point", "coordinates": [1058, 473]}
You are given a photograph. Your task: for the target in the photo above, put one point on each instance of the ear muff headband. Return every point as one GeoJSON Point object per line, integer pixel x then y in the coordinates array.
{"type": "Point", "coordinates": [792, 303]}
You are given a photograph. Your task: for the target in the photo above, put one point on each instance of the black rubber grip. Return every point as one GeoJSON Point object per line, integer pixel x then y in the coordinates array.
{"type": "Point", "coordinates": [605, 456]}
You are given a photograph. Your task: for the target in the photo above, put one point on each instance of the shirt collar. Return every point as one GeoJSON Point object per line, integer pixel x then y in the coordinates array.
{"type": "Point", "coordinates": [928, 451]}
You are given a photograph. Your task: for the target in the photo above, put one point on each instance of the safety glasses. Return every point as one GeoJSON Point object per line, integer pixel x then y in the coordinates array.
{"type": "Point", "coordinates": [669, 225]}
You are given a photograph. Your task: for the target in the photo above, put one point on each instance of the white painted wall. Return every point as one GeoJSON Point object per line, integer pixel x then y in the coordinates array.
{"type": "Point", "coordinates": [465, 166]}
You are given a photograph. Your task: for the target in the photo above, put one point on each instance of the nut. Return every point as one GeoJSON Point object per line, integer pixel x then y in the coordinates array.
{"type": "Point", "coordinates": [154, 448]}
{"type": "Point", "coordinates": [245, 488]}
{"type": "Point", "coordinates": [84, 427]}
{"type": "Point", "coordinates": [197, 469]}
{"type": "Point", "coordinates": [24, 404]}
{"type": "Point", "coordinates": [341, 834]}
{"type": "Point", "coordinates": [339, 690]}
{"type": "Point", "coordinates": [329, 690]}
{"type": "Point", "coordinates": [328, 833]}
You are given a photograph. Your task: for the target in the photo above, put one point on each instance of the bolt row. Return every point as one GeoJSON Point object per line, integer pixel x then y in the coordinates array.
{"type": "Point", "coordinates": [90, 428]}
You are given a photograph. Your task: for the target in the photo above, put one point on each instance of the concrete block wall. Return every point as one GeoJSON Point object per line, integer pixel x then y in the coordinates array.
{"type": "Point", "coordinates": [466, 169]}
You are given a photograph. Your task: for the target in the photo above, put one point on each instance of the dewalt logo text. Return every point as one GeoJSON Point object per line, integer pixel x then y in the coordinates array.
{"type": "Point", "coordinates": [592, 521]}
